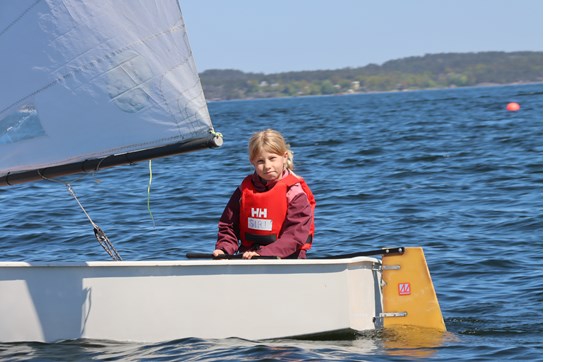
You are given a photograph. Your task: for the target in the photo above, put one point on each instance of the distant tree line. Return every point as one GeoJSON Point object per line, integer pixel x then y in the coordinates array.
{"type": "Point", "coordinates": [424, 72]}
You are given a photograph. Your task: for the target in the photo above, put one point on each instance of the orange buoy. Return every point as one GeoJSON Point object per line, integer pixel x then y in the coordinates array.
{"type": "Point", "coordinates": [512, 107]}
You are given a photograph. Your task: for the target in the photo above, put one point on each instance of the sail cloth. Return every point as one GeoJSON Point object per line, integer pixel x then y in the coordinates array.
{"type": "Point", "coordinates": [89, 84]}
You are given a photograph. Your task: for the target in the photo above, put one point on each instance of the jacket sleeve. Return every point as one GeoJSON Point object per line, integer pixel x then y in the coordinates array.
{"type": "Point", "coordinates": [229, 225]}
{"type": "Point", "coordinates": [295, 229]}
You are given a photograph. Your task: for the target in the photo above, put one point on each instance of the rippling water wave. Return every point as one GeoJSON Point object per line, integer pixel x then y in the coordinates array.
{"type": "Point", "coordinates": [448, 170]}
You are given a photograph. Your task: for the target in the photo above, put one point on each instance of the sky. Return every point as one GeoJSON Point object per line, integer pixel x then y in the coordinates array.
{"type": "Point", "coordinates": [271, 36]}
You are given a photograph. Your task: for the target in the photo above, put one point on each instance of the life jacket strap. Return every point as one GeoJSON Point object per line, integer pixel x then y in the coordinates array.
{"type": "Point", "coordinates": [260, 239]}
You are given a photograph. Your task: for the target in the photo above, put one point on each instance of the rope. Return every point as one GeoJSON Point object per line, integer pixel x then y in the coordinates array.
{"type": "Point", "coordinates": [149, 191]}
{"type": "Point", "coordinates": [99, 233]}
{"type": "Point", "coordinates": [18, 18]}
{"type": "Point", "coordinates": [216, 134]}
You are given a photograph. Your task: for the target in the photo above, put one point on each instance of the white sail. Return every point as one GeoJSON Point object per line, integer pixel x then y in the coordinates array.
{"type": "Point", "coordinates": [87, 80]}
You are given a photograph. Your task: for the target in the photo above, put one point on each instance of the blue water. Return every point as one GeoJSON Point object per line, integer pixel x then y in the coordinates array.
{"type": "Point", "coordinates": [448, 170]}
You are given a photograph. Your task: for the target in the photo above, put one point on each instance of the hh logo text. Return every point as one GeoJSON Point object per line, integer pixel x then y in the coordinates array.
{"type": "Point", "coordinates": [257, 212]}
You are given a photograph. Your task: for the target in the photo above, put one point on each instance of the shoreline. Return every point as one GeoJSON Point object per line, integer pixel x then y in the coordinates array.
{"type": "Point", "coordinates": [482, 85]}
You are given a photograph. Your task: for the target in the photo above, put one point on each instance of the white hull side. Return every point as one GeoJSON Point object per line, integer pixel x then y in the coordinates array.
{"type": "Point", "coordinates": [166, 300]}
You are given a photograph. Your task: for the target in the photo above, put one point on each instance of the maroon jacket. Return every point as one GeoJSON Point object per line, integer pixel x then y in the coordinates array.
{"type": "Point", "coordinates": [295, 229]}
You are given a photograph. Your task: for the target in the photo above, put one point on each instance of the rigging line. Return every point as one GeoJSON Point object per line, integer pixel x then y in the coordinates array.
{"type": "Point", "coordinates": [39, 172]}
{"type": "Point", "coordinates": [72, 192]}
{"type": "Point", "coordinates": [99, 233]}
{"type": "Point", "coordinates": [18, 18]}
{"type": "Point", "coordinates": [149, 191]}
{"type": "Point", "coordinates": [216, 134]}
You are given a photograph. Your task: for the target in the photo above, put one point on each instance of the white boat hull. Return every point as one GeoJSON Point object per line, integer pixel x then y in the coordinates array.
{"type": "Point", "coordinates": [165, 300]}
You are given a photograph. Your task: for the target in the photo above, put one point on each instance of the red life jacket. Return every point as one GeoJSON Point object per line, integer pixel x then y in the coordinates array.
{"type": "Point", "coordinates": [262, 214]}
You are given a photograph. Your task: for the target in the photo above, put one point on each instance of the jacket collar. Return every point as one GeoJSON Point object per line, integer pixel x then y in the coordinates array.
{"type": "Point", "coordinates": [261, 185]}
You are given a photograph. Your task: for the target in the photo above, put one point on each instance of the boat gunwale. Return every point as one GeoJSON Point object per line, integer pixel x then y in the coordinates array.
{"type": "Point", "coordinates": [189, 263]}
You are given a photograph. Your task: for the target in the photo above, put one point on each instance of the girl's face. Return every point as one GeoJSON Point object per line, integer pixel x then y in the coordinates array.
{"type": "Point", "coordinates": [269, 166]}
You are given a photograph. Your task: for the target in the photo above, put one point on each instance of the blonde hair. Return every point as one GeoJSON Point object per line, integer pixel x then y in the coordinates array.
{"type": "Point", "coordinates": [271, 141]}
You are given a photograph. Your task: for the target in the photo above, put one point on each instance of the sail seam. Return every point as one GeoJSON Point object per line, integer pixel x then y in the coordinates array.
{"type": "Point", "coordinates": [92, 63]}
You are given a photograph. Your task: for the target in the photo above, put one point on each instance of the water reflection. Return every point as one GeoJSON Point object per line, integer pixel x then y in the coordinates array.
{"type": "Point", "coordinates": [416, 342]}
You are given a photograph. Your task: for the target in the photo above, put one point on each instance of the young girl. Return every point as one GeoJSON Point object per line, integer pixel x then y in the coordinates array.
{"type": "Point", "coordinates": [272, 212]}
